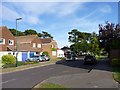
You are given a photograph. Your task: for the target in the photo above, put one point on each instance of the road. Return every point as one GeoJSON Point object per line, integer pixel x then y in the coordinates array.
{"type": "Point", "coordinates": [29, 78]}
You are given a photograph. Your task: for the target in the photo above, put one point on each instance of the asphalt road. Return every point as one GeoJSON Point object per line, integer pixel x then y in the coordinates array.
{"type": "Point", "coordinates": [31, 77]}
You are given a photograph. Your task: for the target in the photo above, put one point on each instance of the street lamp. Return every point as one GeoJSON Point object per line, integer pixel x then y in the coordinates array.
{"type": "Point", "coordinates": [16, 42]}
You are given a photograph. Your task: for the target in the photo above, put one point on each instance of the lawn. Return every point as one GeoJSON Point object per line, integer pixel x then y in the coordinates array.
{"type": "Point", "coordinates": [116, 73]}
{"type": "Point", "coordinates": [116, 69]}
{"type": "Point", "coordinates": [51, 86]}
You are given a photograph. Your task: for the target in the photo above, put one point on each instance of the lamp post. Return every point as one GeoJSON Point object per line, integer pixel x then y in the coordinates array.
{"type": "Point", "coordinates": [16, 42]}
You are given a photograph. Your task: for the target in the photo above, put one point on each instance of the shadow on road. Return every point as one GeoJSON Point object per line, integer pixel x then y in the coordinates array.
{"type": "Point", "coordinates": [102, 64]}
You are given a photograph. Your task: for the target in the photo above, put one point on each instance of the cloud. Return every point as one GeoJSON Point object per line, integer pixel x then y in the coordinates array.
{"type": "Point", "coordinates": [105, 9]}
{"type": "Point", "coordinates": [8, 14]}
{"type": "Point", "coordinates": [68, 8]}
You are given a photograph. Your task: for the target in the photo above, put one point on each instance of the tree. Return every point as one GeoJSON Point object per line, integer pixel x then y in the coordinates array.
{"type": "Point", "coordinates": [83, 42]}
{"type": "Point", "coordinates": [19, 33]}
{"type": "Point", "coordinates": [73, 36]}
{"type": "Point", "coordinates": [109, 36]}
{"type": "Point", "coordinates": [46, 35]}
{"type": "Point", "coordinates": [30, 32]}
{"type": "Point", "coordinates": [39, 34]}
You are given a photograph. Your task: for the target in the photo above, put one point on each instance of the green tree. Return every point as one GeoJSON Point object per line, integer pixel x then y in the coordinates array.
{"type": "Point", "coordinates": [83, 42]}
{"type": "Point", "coordinates": [30, 32]}
{"type": "Point", "coordinates": [19, 33]}
{"type": "Point", "coordinates": [46, 35]}
{"type": "Point", "coordinates": [39, 34]}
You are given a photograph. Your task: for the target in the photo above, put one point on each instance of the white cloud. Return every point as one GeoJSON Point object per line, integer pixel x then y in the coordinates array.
{"type": "Point", "coordinates": [68, 8]}
{"type": "Point", "coordinates": [105, 9]}
{"type": "Point", "coordinates": [8, 14]}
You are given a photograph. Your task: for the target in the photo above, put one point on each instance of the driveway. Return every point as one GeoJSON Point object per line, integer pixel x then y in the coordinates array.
{"type": "Point", "coordinates": [29, 78]}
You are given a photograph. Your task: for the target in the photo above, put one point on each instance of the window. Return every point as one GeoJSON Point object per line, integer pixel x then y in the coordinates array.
{"type": "Point", "coordinates": [39, 45]}
{"type": "Point", "coordinates": [2, 41]}
{"type": "Point", "coordinates": [34, 45]}
{"type": "Point", "coordinates": [11, 42]}
{"type": "Point", "coordinates": [52, 46]}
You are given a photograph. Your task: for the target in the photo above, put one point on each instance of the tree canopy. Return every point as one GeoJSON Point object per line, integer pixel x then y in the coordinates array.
{"type": "Point", "coordinates": [16, 32]}
{"type": "Point", "coordinates": [109, 36]}
{"type": "Point", "coordinates": [31, 32]}
{"type": "Point", "coordinates": [83, 42]}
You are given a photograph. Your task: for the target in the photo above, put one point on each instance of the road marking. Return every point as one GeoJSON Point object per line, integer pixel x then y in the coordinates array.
{"type": "Point", "coordinates": [7, 81]}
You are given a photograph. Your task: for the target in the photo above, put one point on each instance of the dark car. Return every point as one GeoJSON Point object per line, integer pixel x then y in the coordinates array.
{"type": "Point", "coordinates": [89, 59]}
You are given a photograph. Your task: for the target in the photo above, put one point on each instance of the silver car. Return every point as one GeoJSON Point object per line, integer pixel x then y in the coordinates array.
{"type": "Point", "coordinates": [36, 58]}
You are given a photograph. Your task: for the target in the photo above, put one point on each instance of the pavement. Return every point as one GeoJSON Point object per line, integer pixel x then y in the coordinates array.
{"type": "Point", "coordinates": [99, 77]}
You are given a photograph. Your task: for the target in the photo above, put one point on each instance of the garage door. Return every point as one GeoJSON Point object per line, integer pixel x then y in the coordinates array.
{"type": "Point", "coordinates": [24, 56]}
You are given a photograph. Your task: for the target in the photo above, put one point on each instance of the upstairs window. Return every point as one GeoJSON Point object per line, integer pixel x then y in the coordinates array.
{"type": "Point", "coordinates": [2, 41]}
{"type": "Point", "coordinates": [34, 45]}
{"type": "Point", "coordinates": [39, 45]}
{"type": "Point", "coordinates": [11, 42]}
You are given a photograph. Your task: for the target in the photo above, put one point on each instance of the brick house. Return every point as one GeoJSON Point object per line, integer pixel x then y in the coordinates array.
{"type": "Point", "coordinates": [6, 40]}
{"type": "Point", "coordinates": [49, 45]}
{"type": "Point", "coordinates": [27, 46]}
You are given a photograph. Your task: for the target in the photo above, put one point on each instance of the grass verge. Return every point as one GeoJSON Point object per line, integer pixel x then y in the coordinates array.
{"type": "Point", "coordinates": [49, 86]}
{"type": "Point", "coordinates": [23, 67]}
{"type": "Point", "coordinates": [116, 74]}
{"type": "Point", "coordinates": [115, 63]}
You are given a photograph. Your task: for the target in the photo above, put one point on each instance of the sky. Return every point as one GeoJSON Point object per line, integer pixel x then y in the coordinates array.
{"type": "Point", "coordinates": [59, 18]}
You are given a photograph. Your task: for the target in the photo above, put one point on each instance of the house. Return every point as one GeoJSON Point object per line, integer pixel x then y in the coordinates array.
{"type": "Point", "coordinates": [6, 40]}
{"type": "Point", "coordinates": [60, 53]}
{"type": "Point", "coordinates": [49, 45]}
{"type": "Point", "coordinates": [28, 46]}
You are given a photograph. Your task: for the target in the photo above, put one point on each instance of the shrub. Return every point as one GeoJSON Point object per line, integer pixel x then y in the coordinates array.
{"type": "Point", "coordinates": [8, 59]}
{"type": "Point", "coordinates": [45, 53]}
{"type": "Point", "coordinates": [53, 49]}
{"type": "Point", "coordinates": [115, 62]}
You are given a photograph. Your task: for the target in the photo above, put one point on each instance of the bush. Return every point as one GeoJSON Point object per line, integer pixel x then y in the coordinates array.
{"type": "Point", "coordinates": [8, 59]}
{"type": "Point", "coordinates": [45, 53]}
{"type": "Point", "coordinates": [115, 62]}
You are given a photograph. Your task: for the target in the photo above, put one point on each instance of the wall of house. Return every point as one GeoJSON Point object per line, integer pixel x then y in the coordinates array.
{"type": "Point", "coordinates": [60, 53]}
{"type": "Point", "coordinates": [6, 34]}
{"type": "Point", "coordinates": [47, 47]}
{"type": "Point", "coordinates": [36, 41]}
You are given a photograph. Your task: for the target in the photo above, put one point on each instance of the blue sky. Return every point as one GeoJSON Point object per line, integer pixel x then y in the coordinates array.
{"type": "Point", "coordinates": [58, 18]}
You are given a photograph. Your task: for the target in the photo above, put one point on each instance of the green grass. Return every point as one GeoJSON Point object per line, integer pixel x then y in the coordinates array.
{"type": "Point", "coordinates": [51, 86]}
{"type": "Point", "coordinates": [116, 73]}
{"type": "Point", "coordinates": [115, 63]}
{"type": "Point", "coordinates": [23, 67]}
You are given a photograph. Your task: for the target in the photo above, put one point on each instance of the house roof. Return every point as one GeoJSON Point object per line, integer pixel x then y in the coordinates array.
{"type": "Point", "coordinates": [25, 39]}
{"type": "Point", "coordinates": [24, 47]}
{"type": "Point", "coordinates": [3, 30]}
{"type": "Point", "coordinates": [45, 40]}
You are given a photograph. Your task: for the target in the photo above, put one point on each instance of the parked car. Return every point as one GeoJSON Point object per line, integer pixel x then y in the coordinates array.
{"type": "Point", "coordinates": [47, 58]}
{"type": "Point", "coordinates": [89, 59]}
{"type": "Point", "coordinates": [38, 58]}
